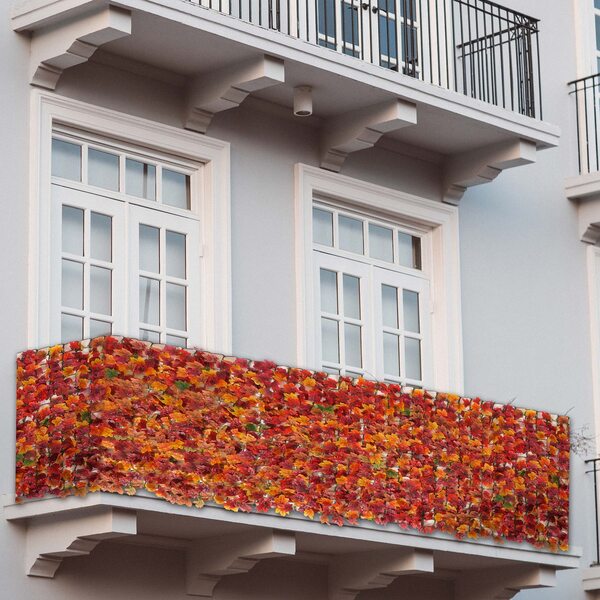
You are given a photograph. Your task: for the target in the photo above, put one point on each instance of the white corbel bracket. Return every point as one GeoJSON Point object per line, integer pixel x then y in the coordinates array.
{"type": "Point", "coordinates": [228, 88]}
{"type": "Point", "coordinates": [482, 166]}
{"type": "Point", "coordinates": [52, 539]}
{"type": "Point", "coordinates": [584, 190]}
{"type": "Point", "coordinates": [350, 574]}
{"type": "Point", "coordinates": [63, 45]}
{"type": "Point", "coordinates": [208, 560]}
{"type": "Point", "coordinates": [361, 129]}
{"type": "Point", "coordinates": [503, 584]}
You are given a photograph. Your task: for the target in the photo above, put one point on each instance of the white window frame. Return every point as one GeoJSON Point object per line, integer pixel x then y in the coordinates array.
{"type": "Point", "coordinates": [593, 269]}
{"type": "Point", "coordinates": [48, 111]}
{"type": "Point", "coordinates": [440, 246]}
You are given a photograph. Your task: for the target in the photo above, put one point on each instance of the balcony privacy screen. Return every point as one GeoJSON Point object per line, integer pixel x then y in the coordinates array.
{"type": "Point", "coordinates": [120, 415]}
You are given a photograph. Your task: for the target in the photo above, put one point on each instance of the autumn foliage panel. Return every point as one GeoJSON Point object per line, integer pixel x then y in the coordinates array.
{"type": "Point", "coordinates": [119, 415]}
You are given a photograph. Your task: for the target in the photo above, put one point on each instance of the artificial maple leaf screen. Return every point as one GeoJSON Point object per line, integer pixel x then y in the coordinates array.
{"type": "Point", "coordinates": [120, 415]}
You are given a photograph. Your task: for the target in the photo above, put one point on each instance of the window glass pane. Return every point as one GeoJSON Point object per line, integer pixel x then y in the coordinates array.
{"type": "Point", "coordinates": [351, 296]}
{"type": "Point", "coordinates": [330, 341]}
{"type": "Point", "coordinates": [72, 284]}
{"type": "Point", "coordinates": [409, 48]}
{"type": "Point", "coordinates": [176, 318]}
{"type": "Point", "coordinates": [351, 234]}
{"type": "Point", "coordinates": [322, 227]}
{"type": "Point", "coordinates": [101, 237]}
{"type": "Point", "coordinates": [388, 5]}
{"type": "Point", "coordinates": [408, 8]}
{"type": "Point", "coordinates": [72, 230]}
{"type": "Point", "coordinates": [381, 243]}
{"type": "Point", "coordinates": [598, 32]}
{"type": "Point", "coordinates": [100, 290]}
{"type": "Point", "coordinates": [391, 354]}
{"type": "Point", "coordinates": [175, 189]}
{"type": "Point", "coordinates": [149, 301]}
{"type": "Point", "coordinates": [326, 12]}
{"type": "Point", "coordinates": [175, 254]}
{"type": "Point", "coordinates": [103, 169]}
{"type": "Point", "coordinates": [409, 250]}
{"type": "Point", "coordinates": [596, 3]}
{"type": "Point", "coordinates": [410, 301]}
{"type": "Point", "coordinates": [149, 336]}
{"type": "Point", "coordinates": [412, 349]}
{"type": "Point", "coordinates": [175, 340]}
{"type": "Point", "coordinates": [98, 328]}
{"type": "Point", "coordinates": [329, 296]}
{"type": "Point", "coordinates": [352, 335]}
{"type": "Point", "coordinates": [331, 371]}
{"type": "Point", "coordinates": [66, 160]}
{"type": "Point", "coordinates": [350, 31]}
{"type": "Point", "coordinates": [71, 328]}
{"type": "Point", "coordinates": [389, 301]}
{"type": "Point", "coordinates": [149, 248]}
{"type": "Point", "coordinates": [387, 38]}
{"type": "Point", "coordinates": [140, 179]}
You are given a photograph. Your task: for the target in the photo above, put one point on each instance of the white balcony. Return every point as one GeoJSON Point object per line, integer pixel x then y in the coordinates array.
{"type": "Point", "coordinates": [458, 81]}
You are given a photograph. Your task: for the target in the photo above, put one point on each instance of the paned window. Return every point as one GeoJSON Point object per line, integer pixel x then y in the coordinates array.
{"type": "Point", "coordinates": [125, 242]}
{"type": "Point", "coordinates": [373, 296]}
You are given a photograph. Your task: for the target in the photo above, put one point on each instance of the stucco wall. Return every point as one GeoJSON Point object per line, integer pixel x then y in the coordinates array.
{"type": "Point", "coordinates": [524, 291]}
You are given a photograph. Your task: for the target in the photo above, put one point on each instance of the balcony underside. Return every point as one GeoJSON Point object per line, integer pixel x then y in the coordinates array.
{"type": "Point", "coordinates": [199, 49]}
{"type": "Point", "coordinates": [357, 558]}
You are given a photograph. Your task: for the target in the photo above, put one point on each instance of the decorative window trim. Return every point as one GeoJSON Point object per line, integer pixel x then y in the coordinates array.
{"type": "Point", "coordinates": [442, 222]}
{"type": "Point", "coordinates": [47, 110]}
{"type": "Point", "coordinates": [587, 53]}
{"type": "Point", "coordinates": [593, 271]}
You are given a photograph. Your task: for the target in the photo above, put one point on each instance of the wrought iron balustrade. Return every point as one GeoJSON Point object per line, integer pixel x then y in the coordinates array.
{"type": "Point", "coordinates": [587, 106]}
{"type": "Point", "coordinates": [594, 470]}
{"type": "Point", "coordinates": [474, 47]}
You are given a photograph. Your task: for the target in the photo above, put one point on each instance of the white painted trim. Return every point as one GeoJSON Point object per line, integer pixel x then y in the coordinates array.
{"type": "Point", "coordinates": [48, 109]}
{"type": "Point", "coordinates": [585, 35]}
{"type": "Point", "coordinates": [593, 269]}
{"type": "Point", "coordinates": [440, 219]}
{"type": "Point", "coordinates": [288, 48]}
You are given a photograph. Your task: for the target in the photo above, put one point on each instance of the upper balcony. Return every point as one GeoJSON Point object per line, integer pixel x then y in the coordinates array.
{"type": "Point", "coordinates": [584, 188]}
{"type": "Point", "coordinates": [459, 79]}
{"type": "Point", "coordinates": [121, 441]}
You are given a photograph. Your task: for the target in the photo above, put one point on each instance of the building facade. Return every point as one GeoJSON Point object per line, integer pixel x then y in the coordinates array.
{"type": "Point", "coordinates": [399, 191]}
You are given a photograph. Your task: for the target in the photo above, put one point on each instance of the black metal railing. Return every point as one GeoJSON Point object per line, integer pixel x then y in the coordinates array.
{"type": "Point", "coordinates": [587, 107]}
{"type": "Point", "coordinates": [474, 47]}
{"type": "Point", "coordinates": [595, 470]}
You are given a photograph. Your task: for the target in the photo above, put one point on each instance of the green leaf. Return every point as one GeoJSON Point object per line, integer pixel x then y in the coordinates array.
{"type": "Point", "coordinates": [392, 473]}
{"type": "Point", "coordinates": [111, 373]}
{"type": "Point", "coordinates": [86, 416]}
{"type": "Point", "coordinates": [182, 385]}
{"type": "Point", "coordinates": [251, 427]}
{"type": "Point", "coordinates": [324, 408]}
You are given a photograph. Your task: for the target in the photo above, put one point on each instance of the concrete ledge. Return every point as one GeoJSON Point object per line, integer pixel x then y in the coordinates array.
{"type": "Point", "coordinates": [387, 536]}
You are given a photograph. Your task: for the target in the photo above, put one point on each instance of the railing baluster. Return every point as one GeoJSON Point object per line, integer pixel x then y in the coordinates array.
{"type": "Point", "coordinates": [421, 58]}
{"type": "Point", "coordinates": [497, 49]}
{"type": "Point", "coordinates": [594, 470]}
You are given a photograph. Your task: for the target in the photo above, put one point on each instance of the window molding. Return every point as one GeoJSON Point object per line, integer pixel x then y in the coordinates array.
{"type": "Point", "coordinates": [593, 272]}
{"type": "Point", "coordinates": [586, 51]}
{"type": "Point", "coordinates": [442, 222]}
{"type": "Point", "coordinates": [47, 110]}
